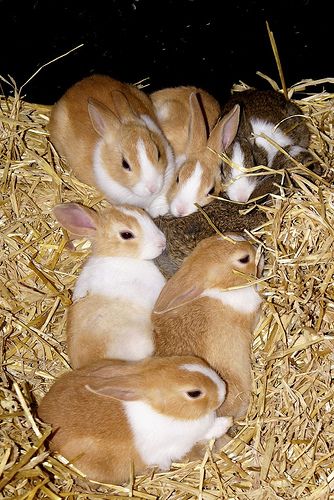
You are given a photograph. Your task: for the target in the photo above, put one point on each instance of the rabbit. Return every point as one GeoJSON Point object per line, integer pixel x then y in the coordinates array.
{"type": "Point", "coordinates": [108, 133]}
{"type": "Point", "coordinates": [148, 413]}
{"type": "Point", "coordinates": [189, 118]}
{"type": "Point", "coordinates": [110, 316]}
{"type": "Point", "coordinates": [184, 233]}
{"type": "Point", "coordinates": [259, 112]}
{"type": "Point", "coordinates": [208, 309]}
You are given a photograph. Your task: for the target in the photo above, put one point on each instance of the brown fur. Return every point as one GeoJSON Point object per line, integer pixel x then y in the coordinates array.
{"type": "Point", "coordinates": [73, 134]}
{"type": "Point", "coordinates": [85, 410]}
{"type": "Point", "coordinates": [184, 233]}
{"type": "Point", "coordinates": [273, 107]}
{"type": "Point", "coordinates": [187, 324]}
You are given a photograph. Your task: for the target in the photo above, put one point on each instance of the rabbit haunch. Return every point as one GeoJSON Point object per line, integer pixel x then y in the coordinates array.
{"type": "Point", "coordinates": [188, 117]}
{"type": "Point", "coordinates": [108, 133]}
{"type": "Point", "coordinates": [150, 413]}
{"type": "Point", "coordinates": [118, 285]}
{"type": "Point", "coordinates": [209, 309]}
{"type": "Point", "coordinates": [264, 116]}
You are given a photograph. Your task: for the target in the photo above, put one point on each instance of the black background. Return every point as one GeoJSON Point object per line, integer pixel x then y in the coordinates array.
{"type": "Point", "coordinates": [208, 43]}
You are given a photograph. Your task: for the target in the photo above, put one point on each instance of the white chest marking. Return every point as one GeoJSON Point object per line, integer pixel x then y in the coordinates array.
{"type": "Point", "coordinates": [160, 439]}
{"type": "Point", "coordinates": [245, 300]}
{"type": "Point", "coordinates": [120, 277]}
{"type": "Point", "coordinates": [263, 127]}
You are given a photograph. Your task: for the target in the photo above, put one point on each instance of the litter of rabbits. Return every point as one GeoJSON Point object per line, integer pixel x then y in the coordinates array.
{"type": "Point", "coordinates": [284, 448]}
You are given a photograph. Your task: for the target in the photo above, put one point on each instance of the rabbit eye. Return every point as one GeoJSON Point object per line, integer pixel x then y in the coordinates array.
{"type": "Point", "coordinates": [194, 394]}
{"type": "Point", "coordinates": [125, 165]}
{"type": "Point", "coordinates": [159, 154]}
{"type": "Point", "coordinates": [126, 235]}
{"type": "Point", "coordinates": [211, 190]}
{"type": "Point", "coordinates": [244, 260]}
{"type": "Point", "coordinates": [177, 179]}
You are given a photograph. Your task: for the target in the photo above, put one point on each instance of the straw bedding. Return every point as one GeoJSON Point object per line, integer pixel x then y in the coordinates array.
{"type": "Point", "coordinates": [285, 446]}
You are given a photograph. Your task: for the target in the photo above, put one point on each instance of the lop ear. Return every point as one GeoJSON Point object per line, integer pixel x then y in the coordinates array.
{"type": "Point", "coordinates": [178, 291]}
{"type": "Point", "coordinates": [102, 117]}
{"type": "Point", "coordinates": [225, 130]}
{"type": "Point", "coordinates": [122, 388]}
{"type": "Point", "coordinates": [197, 138]}
{"type": "Point", "coordinates": [77, 219]}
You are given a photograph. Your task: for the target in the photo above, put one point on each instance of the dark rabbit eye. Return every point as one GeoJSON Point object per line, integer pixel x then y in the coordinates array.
{"type": "Point", "coordinates": [194, 394]}
{"type": "Point", "coordinates": [244, 260]}
{"type": "Point", "coordinates": [177, 179]}
{"type": "Point", "coordinates": [211, 190]}
{"type": "Point", "coordinates": [126, 235]}
{"type": "Point", "coordinates": [125, 165]}
{"type": "Point", "coordinates": [159, 154]}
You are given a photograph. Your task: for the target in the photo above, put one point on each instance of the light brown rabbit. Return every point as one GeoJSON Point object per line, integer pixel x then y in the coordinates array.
{"type": "Point", "coordinates": [265, 115]}
{"type": "Point", "coordinates": [189, 118]}
{"type": "Point", "coordinates": [184, 233]}
{"type": "Point", "coordinates": [116, 290]}
{"type": "Point", "coordinates": [108, 133]}
{"type": "Point", "coordinates": [149, 413]}
{"type": "Point", "coordinates": [200, 313]}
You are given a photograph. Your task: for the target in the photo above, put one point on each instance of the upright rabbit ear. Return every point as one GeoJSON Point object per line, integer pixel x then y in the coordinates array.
{"type": "Point", "coordinates": [77, 219]}
{"type": "Point", "coordinates": [177, 292]}
{"type": "Point", "coordinates": [121, 388]}
{"type": "Point", "coordinates": [197, 138]}
{"type": "Point", "coordinates": [101, 116]}
{"type": "Point", "coordinates": [122, 106]}
{"type": "Point", "coordinates": [225, 130]}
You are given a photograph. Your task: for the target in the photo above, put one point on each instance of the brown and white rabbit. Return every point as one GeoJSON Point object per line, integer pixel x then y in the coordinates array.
{"type": "Point", "coordinates": [116, 290]}
{"type": "Point", "coordinates": [209, 309]}
{"type": "Point", "coordinates": [184, 233]}
{"type": "Point", "coordinates": [188, 116]}
{"type": "Point", "coordinates": [108, 133]}
{"type": "Point", "coordinates": [262, 112]}
{"type": "Point", "coordinates": [112, 414]}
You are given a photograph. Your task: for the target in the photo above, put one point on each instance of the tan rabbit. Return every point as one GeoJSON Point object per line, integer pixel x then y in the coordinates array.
{"type": "Point", "coordinates": [116, 290]}
{"type": "Point", "coordinates": [113, 414]}
{"type": "Point", "coordinates": [189, 118]}
{"type": "Point", "coordinates": [200, 312]}
{"type": "Point", "coordinates": [108, 133]}
{"type": "Point", "coordinates": [265, 115]}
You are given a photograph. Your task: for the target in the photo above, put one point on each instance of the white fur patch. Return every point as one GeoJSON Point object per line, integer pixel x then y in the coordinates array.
{"type": "Point", "coordinates": [244, 300]}
{"type": "Point", "coordinates": [241, 188]}
{"type": "Point", "coordinates": [139, 282]}
{"type": "Point", "coordinates": [183, 202]}
{"type": "Point", "coordinates": [221, 387]}
{"type": "Point", "coordinates": [150, 182]}
{"type": "Point", "coordinates": [160, 439]}
{"type": "Point", "coordinates": [264, 127]}
{"type": "Point", "coordinates": [153, 240]}
{"type": "Point", "coordinates": [295, 150]}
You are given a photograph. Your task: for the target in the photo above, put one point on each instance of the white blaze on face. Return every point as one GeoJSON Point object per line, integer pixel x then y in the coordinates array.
{"type": "Point", "coordinates": [239, 189]}
{"type": "Point", "coordinates": [150, 181]}
{"type": "Point", "coordinates": [221, 387]}
{"type": "Point", "coordinates": [152, 241]}
{"type": "Point", "coordinates": [187, 194]}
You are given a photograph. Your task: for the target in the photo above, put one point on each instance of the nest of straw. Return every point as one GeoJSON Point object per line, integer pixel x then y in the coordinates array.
{"type": "Point", "coordinates": [285, 446]}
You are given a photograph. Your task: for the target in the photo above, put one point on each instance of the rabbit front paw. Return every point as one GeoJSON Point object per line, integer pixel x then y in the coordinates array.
{"type": "Point", "coordinates": [220, 427]}
{"type": "Point", "coordinates": [159, 206]}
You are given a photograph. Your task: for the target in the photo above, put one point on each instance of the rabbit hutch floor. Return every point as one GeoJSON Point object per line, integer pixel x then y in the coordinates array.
{"type": "Point", "coordinates": [285, 446]}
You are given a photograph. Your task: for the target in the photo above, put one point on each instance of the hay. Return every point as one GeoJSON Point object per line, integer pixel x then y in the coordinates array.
{"type": "Point", "coordinates": [285, 446]}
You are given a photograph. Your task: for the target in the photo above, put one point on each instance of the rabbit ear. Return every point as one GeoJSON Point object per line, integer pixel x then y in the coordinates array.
{"type": "Point", "coordinates": [101, 116]}
{"type": "Point", "coordinates": [197, 138]}
{"type": "Point", "coordinates": [77, 219]}
{"type": "Point", "coordinates": [122, 105]}
{"type": "Point", "coordinates": [122, 388]}
{"type": "Point", "coordinates": [225, 131]}
{"type": "Point", "coordinates": [177, 292]}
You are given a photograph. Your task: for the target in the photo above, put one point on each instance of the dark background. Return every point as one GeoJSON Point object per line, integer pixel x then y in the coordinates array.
{"type": "Point", "coordinates": [208, 43]}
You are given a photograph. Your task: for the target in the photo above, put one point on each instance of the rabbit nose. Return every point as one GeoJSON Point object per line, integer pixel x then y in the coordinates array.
{"type": "Point", "coordinates": [152, 188]}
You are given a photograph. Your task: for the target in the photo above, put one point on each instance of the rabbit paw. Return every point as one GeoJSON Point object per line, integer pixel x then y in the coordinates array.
{"type": "Point", "coordinates": [220, 427]}
{"type": "Point", "coordinates": [159, 206]}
